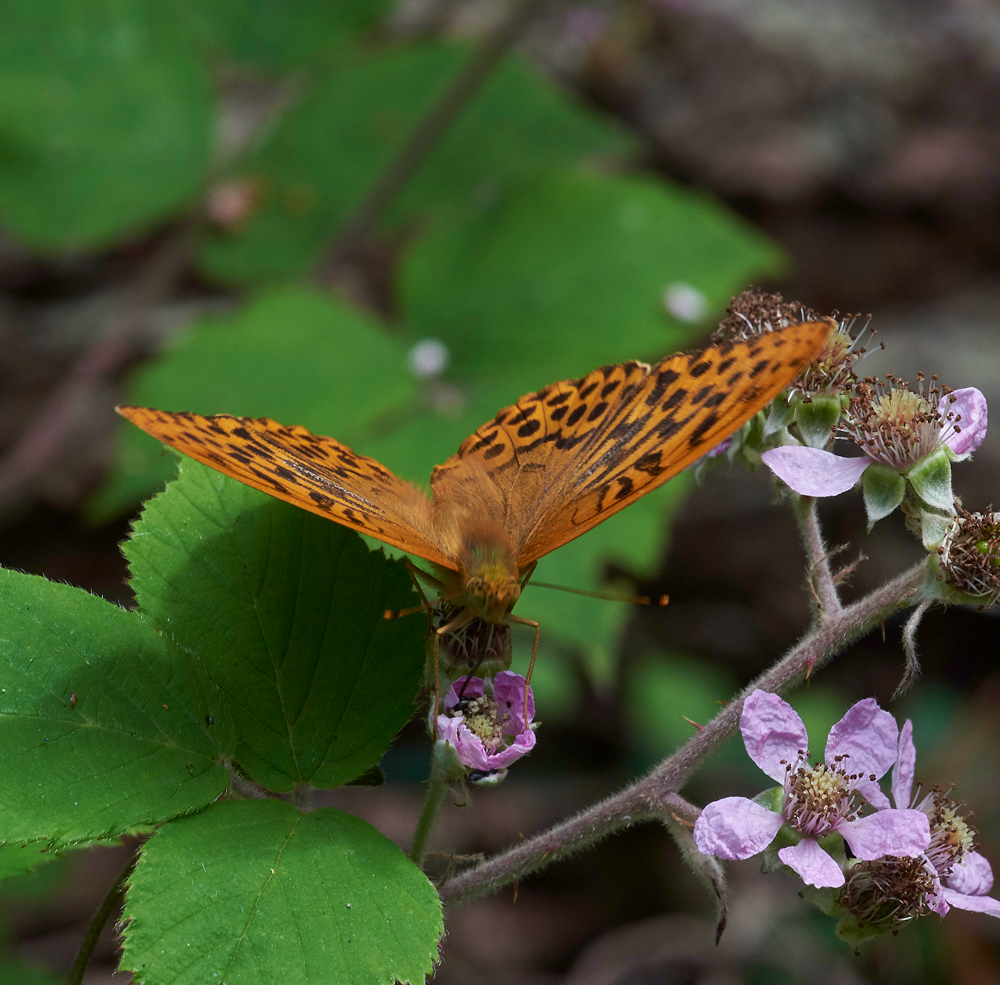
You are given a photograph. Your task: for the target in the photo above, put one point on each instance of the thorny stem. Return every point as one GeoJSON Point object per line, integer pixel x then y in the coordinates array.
{"type": "Point", "coordinates": [645, 799]}
{"type": "Point", "coordinates": [820, 577]}
{"type": "Point", "coordinates": [100, 918]}
{"type": "Point", "coordinates": [437, 789]}
{"type": "Point", "coordinates": [430, 129]}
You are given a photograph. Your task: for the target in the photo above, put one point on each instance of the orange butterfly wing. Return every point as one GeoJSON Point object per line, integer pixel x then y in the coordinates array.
{"type": "Point", "coordinates": [307, 470]}
{"type": "Point", "coordinates": [577, 452]}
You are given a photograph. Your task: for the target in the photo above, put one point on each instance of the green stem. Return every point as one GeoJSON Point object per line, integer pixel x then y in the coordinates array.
{"type": "Point", "coordinates": [437, 790]}
{"type": "Point", "coordinates": [110, 903]}
{"type": "Point", "coordinates": [820, 577]}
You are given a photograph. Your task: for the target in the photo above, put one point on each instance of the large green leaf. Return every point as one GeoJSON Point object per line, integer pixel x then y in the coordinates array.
{"type": "Point", "coordinates": [256, 892]}
{"type": "Point", "coordinates": [105, 119]}
{"type": "Point", "coordinates": [279, 34]}
{"type": "Point", "coordinates": [102, 721]}
{"type": "Point", "coordinates": [285, 609]}
{"type": "Point", "coordinates": [297, 355]}
{"type": "Point", "coordinates": [569, 272]}
{"type": "Point", "coordinates": [325, 154]}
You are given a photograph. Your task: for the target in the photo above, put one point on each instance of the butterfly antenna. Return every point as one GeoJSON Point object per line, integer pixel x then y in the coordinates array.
{"type": "Point", "coordinates": [607, 596]}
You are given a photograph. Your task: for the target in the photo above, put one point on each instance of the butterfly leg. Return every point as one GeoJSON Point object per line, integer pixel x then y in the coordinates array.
{"type": "Point", "coordinates": [534, 653]}
{"type": "Point", "coordinates": [462, 619]}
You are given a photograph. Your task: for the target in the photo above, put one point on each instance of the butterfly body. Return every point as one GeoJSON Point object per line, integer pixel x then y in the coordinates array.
{"type": "Point", "coordinates": [542, 472]}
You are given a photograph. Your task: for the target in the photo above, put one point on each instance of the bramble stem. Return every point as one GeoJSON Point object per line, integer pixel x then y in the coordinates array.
{"type": "Point", "coordinates": [100, 918]}
{"type": "Point", "coordinates": [430, 129]}
{"type": "Point", "coordinates": [644, 799]}
{"type": "Point", "coordinates": [818, 572]}
{"type": "Point", "coordinates": [437, 790]}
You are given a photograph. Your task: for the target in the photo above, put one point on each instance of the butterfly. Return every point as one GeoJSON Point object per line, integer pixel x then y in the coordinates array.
{"type": "Point", "coordinates": [542, 472]}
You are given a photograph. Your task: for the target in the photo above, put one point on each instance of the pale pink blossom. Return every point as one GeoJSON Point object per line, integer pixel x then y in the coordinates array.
{"type": "Point", "coordinates": [485, 723]}
{"type": "Point", "coordinates": [960, 426]}
{"type": "Point", "coordinates": [817, 799]}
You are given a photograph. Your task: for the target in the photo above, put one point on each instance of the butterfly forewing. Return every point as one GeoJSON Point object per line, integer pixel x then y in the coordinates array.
{"type": "Point", "coordinates": [579, 451]}
{"type": "Point", "coordinates": [313, 472]}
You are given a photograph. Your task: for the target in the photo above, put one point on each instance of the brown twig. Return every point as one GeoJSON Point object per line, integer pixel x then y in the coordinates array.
{"type": "Point", "coordinates": [645, 799]}
{"type": "Point", "coordinates": [43, 439]}
{"type": "Point", "coordinates": [429, 130]}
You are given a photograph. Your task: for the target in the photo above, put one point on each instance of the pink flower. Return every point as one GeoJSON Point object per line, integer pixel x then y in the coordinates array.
{"type": "Point", "coordinates": [961, 876]}
{"type": "Point", "coordinates": [892, 435]}
{"type": "Point", "coordinates": [486, 724]}
{"type": "Point", "coordinates": [817, 799]}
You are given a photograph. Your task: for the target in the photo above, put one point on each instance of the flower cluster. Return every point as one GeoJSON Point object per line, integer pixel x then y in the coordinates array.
{"type": "Point", "coordinates": [910, 855]}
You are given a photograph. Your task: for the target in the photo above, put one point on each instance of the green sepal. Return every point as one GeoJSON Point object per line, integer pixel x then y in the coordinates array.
{"type": "Point", "coordinates": [779, 415]}
{"type": "Point", "coordinates": [933, 527]}
{"type": "Point", "coordinates": [816, 418]}
{"type": "Point", "coordinates": [931, 480]}
{"type": "Point", "coordinates": [884, 489]}
{"type": "Point", "coordinates": [825, 899]}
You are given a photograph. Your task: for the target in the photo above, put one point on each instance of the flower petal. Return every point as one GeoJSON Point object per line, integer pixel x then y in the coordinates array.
{"type": "Point", "coordinates": [872, 792]}
{"type": "Point", "coordinates": [813, 471]}
{"type": "Point", "coordinates": [474, 689]}
{"type": "Point", "coordinates": [905, 768]}
{"type": "Point", "coordinates": [508, 692]}
{"type": "Point", "coordinates": [867, 735]}
{"type": "Point", "coordinates": [977, 904]}
{"type": "Point", "coordinates": [735, 828]}
{"type": "Point", "coordinates": [772, 731]}
{"type": "Point", "coordinates": [503, 757]}
{"type": "Point", "coordinates": [902, 833]}
{"type": "Point", "coordinates": [813, 864]}
{"type": "Point", "coordinates": [468, 745]}
{"type": "Point", "coordinates": [973, 876]}
{"type": "Point", "coordinates": [967, 433]}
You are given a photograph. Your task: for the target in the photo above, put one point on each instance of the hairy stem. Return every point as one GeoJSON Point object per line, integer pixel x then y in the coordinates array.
{"type": "Point", "coordinates": [645, 799]}
{"type": "Point", "coordinates": [108, 906]}
{"type": "Point", "coordinates": [437, 789]}
{"type": "Point", "coordinates": [430, 129]}
{"type": "Point", "coordinates": [820, 576]}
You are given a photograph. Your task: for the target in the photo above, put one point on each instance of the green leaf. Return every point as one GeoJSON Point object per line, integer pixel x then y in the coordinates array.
{"type": "Point", "coordinates": [278, 35]}
{"type": "Point", "coordinates": [327, 152]}
{"type": "Point", "coordinates": [296, 355]}
{"type": "Point", "coordinates": [105, 119]}
{"type": "Point", "coordinates": [568, 272]}
{"type": "Point", "coordinates": [19, 860]}
{"type": "Point", "coordinates": [884, 489]}
{"type": "Point", "coordinates": [101, 719]}
{"type": "Point", "coordinates": [664, 690]}
{"type": "Point", "coordinates": [285, 609]}
{"type": "Point", "coordinates": [254, 891]}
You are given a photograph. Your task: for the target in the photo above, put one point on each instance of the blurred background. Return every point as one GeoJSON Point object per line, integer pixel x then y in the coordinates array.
{"type": "Point", "coordinates": [269, 207]}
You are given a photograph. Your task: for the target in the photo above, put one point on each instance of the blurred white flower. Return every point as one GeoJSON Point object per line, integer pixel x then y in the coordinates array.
{"type": "Point", "coordinates": [429, 357]}
{"type": "Point", "coordinates": [685, 303]}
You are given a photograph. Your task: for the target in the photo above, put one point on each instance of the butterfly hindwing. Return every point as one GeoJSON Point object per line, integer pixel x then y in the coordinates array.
{"type": "Point", "coordinates": [307, 470]}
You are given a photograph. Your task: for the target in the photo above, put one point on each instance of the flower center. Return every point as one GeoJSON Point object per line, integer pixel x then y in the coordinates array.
{"type": "Point", "coordinates": [952, 837]}
{"type": "Point", "coordinates": [888, 892]}
{"type": "Point", "coordinates": [970, 554]}
{"type": "Point", "coordinates": [898, 427]}
{"type": "Point", "coordinates": [816, 797]}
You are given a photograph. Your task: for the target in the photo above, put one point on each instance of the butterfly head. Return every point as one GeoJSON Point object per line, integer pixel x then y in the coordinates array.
{"type": "Point", "coordinates": [491, 581]}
